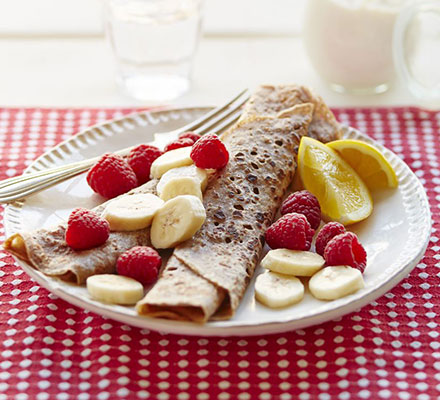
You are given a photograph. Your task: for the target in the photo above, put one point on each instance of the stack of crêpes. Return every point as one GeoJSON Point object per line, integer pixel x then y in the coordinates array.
{"type": "Point", "coordinates": [206, 276]}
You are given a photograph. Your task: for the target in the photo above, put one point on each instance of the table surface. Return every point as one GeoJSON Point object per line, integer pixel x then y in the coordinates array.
{"type": "Point", "coordinates": [79, 71]}
{"type": "Point", "coordinates": [389, 349]}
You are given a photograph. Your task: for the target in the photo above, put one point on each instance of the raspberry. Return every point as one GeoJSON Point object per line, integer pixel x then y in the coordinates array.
{"type": "Point", "coordinates": [305, 203]}
{"type": "Point", "coordinates": [141, 263]}
{"type": "Point", "coordinates": [190, 135]}
{"type": "Point", "coordinates": [177, 144]}
{"type": "Point", "coordinates": [86, 229]}
{"type": "Point", "coordinates": [327, 232]}
{"type": "Point", "coordinates": [291, 231]}
{"type": "Point", "coordinates": [111, 176]}
{"type": "Point", "coordinates": [141, 158]}
{"type": "Point", "coordinates": [345, 249]}
{"type": "Point", "coordinates": [209, 152]}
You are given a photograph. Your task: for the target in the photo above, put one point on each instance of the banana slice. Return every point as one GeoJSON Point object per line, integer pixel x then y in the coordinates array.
{"type": "Point", "coordinates": [276, 290]}
{"type": "Point", "coordinates": [130, 213]}
{"type": "Point", "coordinates": [191, 171]}
{"type": "Point", "coordinates": [115, 289]}
{"type": "Point", "coordinates": [171, 159]}
{"type": "Point", "coordinates": [178, 220]}
{"type": "Point", "coordinates": [334, 282]}
{"type": "Point", "coordinates": [180, 185]}
{"type": "Point", "coordinates": [293, 262]}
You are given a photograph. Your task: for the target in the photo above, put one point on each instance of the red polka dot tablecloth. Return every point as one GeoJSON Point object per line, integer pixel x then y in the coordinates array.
{"type": "Point", "coordinates": [389, 349]}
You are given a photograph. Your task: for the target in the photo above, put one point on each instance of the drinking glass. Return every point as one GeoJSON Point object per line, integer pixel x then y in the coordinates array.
{"type": "Point", "coordinates": [154, 43]}
{"type": "Point", "coordinates": [349, 42]}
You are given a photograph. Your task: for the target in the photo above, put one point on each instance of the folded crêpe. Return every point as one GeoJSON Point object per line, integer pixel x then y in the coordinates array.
{"type": "Point", "coordinates": [206, 276]}
{"type": "Point", "coordinates": [47, 250]}
{"type": "Point", "coordinates": [269, 100]}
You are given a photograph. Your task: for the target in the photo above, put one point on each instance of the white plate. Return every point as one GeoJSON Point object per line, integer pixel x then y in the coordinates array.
{"type": "Point", "coordinates": [395, 235]}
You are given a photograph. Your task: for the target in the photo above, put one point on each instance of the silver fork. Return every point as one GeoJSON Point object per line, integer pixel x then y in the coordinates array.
{"type": "Point", "coordinates": [214, 121]}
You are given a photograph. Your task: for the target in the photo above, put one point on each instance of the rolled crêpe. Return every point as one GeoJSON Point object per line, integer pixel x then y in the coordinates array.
{"type": "Point", "coordinates": [269, 100]}
{"type": "Point", "coordinates": [206, 276]}
{"type": "Point", "coordinates": [47, 251]}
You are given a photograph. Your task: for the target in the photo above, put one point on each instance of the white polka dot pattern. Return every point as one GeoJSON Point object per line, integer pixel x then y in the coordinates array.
{"type": "Point", "coordinates": [389, 349]}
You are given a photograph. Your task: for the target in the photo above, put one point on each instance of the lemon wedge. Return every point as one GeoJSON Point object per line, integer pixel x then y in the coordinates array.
{"type": "Point", "coordinates": [342, 194]}
{"type": "Point", "coordinates": [367, 161]}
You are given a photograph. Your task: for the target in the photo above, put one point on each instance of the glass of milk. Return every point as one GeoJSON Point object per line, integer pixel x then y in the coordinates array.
{"type": "Point", "coordinates": [349, 42]}
{"type": "Point", "coordinates": [153, 42]}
